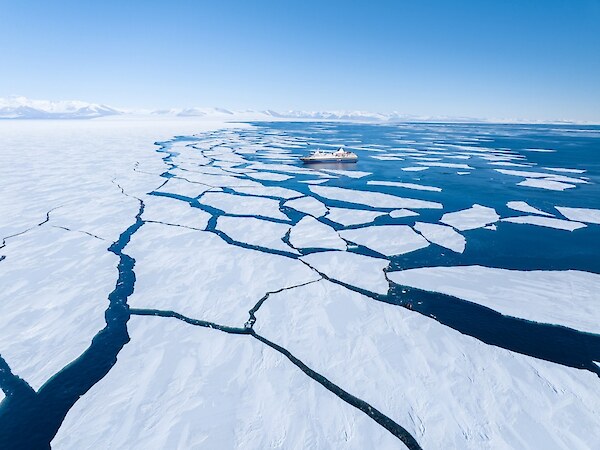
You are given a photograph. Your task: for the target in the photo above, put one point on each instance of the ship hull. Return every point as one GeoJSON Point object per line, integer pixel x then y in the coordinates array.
{"type": "Point", "coordinates": [328, 160]}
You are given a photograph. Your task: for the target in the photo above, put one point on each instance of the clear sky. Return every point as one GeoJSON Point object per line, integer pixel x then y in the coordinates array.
{"type": "Point", "coordinates": [490, 59]}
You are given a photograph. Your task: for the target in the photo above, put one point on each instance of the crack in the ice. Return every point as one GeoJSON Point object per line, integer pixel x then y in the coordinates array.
{"type": "Point", "coordinates": [79, 231]}
{"type": "Point", "coordinates": [386, 422]}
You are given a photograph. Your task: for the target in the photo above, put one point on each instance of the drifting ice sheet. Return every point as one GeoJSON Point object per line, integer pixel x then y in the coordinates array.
{"type": "Point", "coordinates": [250, 230]}
{"type": "Point", "coordinates": [545, 184]}
{"type": "Point", "coordinates": [388, 240]}
{"type": "Point", "coordinates": [568, 298]}
{"type": "Point", "coordinates": [419, 187]}
{"type": "Point", "coordinates": [549, 222]}
{"type": "Point", "coordinates": [351, 268]}
{"type": "Point", "coordinates": [476, 216]}
{"type": "Point", "coordinates": [310, 233]}
{"type": "Point", "coordinates": [373, 199]}
{"type": "Point", "coordinates": [525, 207]}
{"type": "Point", "coordinates": [587, 215]}
{"type": "Point", "coordinates": [244, 205]}
{"type": "Point", "coordinates": [442, 235]}
{"type": "Point", "coordinates": [307, 205]}
{"type": "Point", "coordinates": [349, 217]}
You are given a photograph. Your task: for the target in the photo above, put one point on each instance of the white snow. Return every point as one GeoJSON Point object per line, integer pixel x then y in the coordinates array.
{"type": "Point", "coordinates": [562, 169]}
{"type": "Point", "coordinates": [270, 176]}
{"type": "Point", "coordinates": [388, 240]}
{"type": "Point", "coordinates": [353, 269]}
{"type": "Point", "coordinates": [250, 230]}
{"type": "Point", "coordinates": [399, 213]}
{"type": "Point", "coordinates": [243, 205]}
{"type": "Point", "coordinates": [587, 215]}
{"type": "Point", "coordinates": [173, 211]}
{"type": "Point", "coordinates": [269, 191]}
{"type": "Point", "coordinates": [348, 217]}
{"type": "Point", "coordinates": [348, 173]}
{"type": "Point", "coordinates": [176, 386]}
{"type": "Point", "coordinates": [525, 207]}
{"type": "Point", "coordinates": [448, 389]}
{"type": "Point", "coordinates": [568, 298]}
{"type": "Point", "coordinates": [198, 274]}
{"type": "Point", "coordinates": [476, 216]}
{"type": "Point", "coordinates": [419, 187]}
{"type": "Point", "coordinates": [442, 235]}
{"type": "Point", "coordinates": [307, 205]}
{"type": "Point", "coordinates": [414, 169]}
{"type": "Point", "coordinates": [185, 188]}
{"type": "Point", "coordinates": [373, 199]}
{"type": "Point", "coordinates": [549, 222]}
{"type": "Point", "coordinates": [310, 233]}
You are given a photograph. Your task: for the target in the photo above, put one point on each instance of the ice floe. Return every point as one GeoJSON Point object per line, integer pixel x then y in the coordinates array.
{"type": "Point", "coordinates": [185, 188]}
{"type": "Point", "coordinates": [421, 373]}
{"type": "Point", "coordinates": [442, 235]}
{"type": "Point", "coordinates": [549, 222]}
{"type": "Point", "coordinates": [476, 216]}
{"type": "Point", "coordinates": [348, 173]}
{"type": "Point", "coordinates": [310, 233]}
{"type": "Point", "coordinates": [373, 199]}
{"type": "Point", "coordinates": [261, 233]}
{"type": "Point", "coordinates": [174, 212]}
{"type": "Point", "coordinates": [414, 169]}
{"type": "Point", "coordinates": [348, 217]}
{"type": "Point", "coordinates": [307, 205]}
{"type": "Point", "coordinates": [269, 176]}
{"type": "Point", "coordinates": [353, 269]}
{"type": "Point", "coordinates": [269, 191]}
{"type": "Point", "coordinates": [449, 165]}
{"type": "Point", "coordinates": [243, 205]}
{"type": "Point", "coordinates": [568, 298]}
{"type": "Point", "coordinates": [388, 240]}
{"type": "Point", "coordinates": [587, 215]}
{"type": "Point", "coordinates": [545, 184]}
{"type": "Point", "coordinates": [200, 275]}
{"type": "Point", "coordinates": [399, 213]}
{"type": "Point", "coordinates": [419, 187]}
{"type": "Point", "coordinates": [525, 207]}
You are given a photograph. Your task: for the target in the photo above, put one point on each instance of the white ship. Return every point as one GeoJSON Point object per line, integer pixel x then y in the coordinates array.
{"type": "Point", "coordinates": [340, 155]}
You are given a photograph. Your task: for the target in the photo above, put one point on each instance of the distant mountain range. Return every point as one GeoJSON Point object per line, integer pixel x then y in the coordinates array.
{"type": "Point", "coordinates": [25, 108]}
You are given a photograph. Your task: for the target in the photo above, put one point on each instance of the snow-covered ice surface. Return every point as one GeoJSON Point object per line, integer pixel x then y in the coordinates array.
{"type": "Point", "coordinates": [329, 321]}
{"type": "Point", "coordinates": [568, 298]}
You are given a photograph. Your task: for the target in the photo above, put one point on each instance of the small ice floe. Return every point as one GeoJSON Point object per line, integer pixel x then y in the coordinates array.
{"type": "Point", "coordinates": [525, 207]}
{"type": "Point", "coordinates": [587, 215]}
{"type": "Point", "coordinates": [387, 158]}
{"type": "Point", "coordinates": [389, 240]}
{"type": "Point", "coordinates": [244, 205]}
{"type": "Point", "coordinates": [490, 227]}
{"type": "Point", "coordinates": [545, 184]}
{"type": "Point", "coordinates": [448, 165]}
{"type": "Point", "coordinates": [348, 217]}
{"type": "Point", "coordinates": [414, 169]}
{"type": "Point", "coordinates": [307, 205]}
{"type": "Point", "coordinates": [174, 212]}
{"type": "Point", "coordinates": [373, 199]}
{"type": "Point", "coordinates": [561, 169]}
{"type": "Point", "coordinates": [353, 269]}
{"type": "Point", "coordinates": [539, 150]}
{"type": "Point", "coordinates": [419, 187]}
{"type": "Point", "coordinates": [269, 191]}
{"type": "Point", "coordinates": [348, 173]}
{"type": "Point", "coordinates": [258, 232]}
{"type": "Point", "coordinates": [549, 222]}
{"type": "Point", "coordinates": [269, 176]}
{"type": "Point", "coordinates": [323, 180]}
{"type": "Point", "coordinates": [463, 173]}
{"type": "Point", "coordinates": [442, 235]}
{"type": "Point", "coordinates": [567, 298]}
{"type": "Point", "coordinates": [310, 233]}
{"type": "Point", "coordinates": [399, 213]}
{"type": "Point", "coordinates": [476, 216]}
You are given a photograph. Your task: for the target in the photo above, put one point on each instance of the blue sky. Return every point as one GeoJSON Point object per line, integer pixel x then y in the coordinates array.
{"type": "Point", "coordinates": [492, 59]}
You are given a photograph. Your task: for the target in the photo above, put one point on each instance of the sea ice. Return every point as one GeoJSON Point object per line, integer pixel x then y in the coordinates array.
{"type": "Point", "coordinates": [525, 207]}
{"type": "Point", "coordinates": [348, 173]}
{"type": "Point", "coordinates": [307, 205]}
{"type": "Point", "coordinates": [399, 213]}
{"type": "Point", "coordinates": [587, 215]}
{"type": "Point", "coordinates": [261, 233]}
{"type": "Point", "coordinates": [448, 389]}
{"type": "Point", "coordinates": [243, 205]}
{"type": "Point", "coordinates": [310, 233]}
{"type": "Point", "coordinates": [353, 269]}
{"type": "Point", "coordinates": [419, 187]}
{"type": "Point", "coordinates": [545, 184]}
{"type": "Point", "coordinates": [449, 165]}
{"type": "Point", "coordinates": [348, 217]}
{"type": "Point", "coordinates": [476, 216]}
{"type": "Point", "coordinates": [568, 298]}
{"type": "Point", "coordinates": [414, 169]}
{"type": "Point", "coordinates": [373, 199]}
{"type": "Point", "coordinates": [442, 235]}
{"type": "Point", "coordinates": [185, 188]}
{"type": "Point", "coordinates": [269, 191]}
{"type": "Point", "coordinates": [174, 212]}
{"type": "Point", "coordinates": [269, 176]}
{"type": "Point", "coordinates": [388, 240]}
{"type": "Point", "coordinates": [549, 222]}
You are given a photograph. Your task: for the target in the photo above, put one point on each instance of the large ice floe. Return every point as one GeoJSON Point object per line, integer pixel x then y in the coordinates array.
{"type": "Point", "coordinates": [568, 298]}
{"type": "Point", "coordinates": [549, 222]}
{"type": "Point", "coordinates": [244, 205]}
{"type": "Point", "coordinates": [374, 199]}
{"type": "Point", "coordinates": [442, 235]}
{"type": "Point", "coordinates": [310, 233]}
{"type": "Point", "coordinates": [257, 232]}
{"type": "Point", "coordinates": [349, 217]}
{"type": "Point", "coordinates": [587, 215]}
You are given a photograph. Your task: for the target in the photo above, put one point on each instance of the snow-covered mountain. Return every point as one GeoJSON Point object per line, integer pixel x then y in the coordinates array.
{"type": "Point", "coordinates": [24, 108]}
